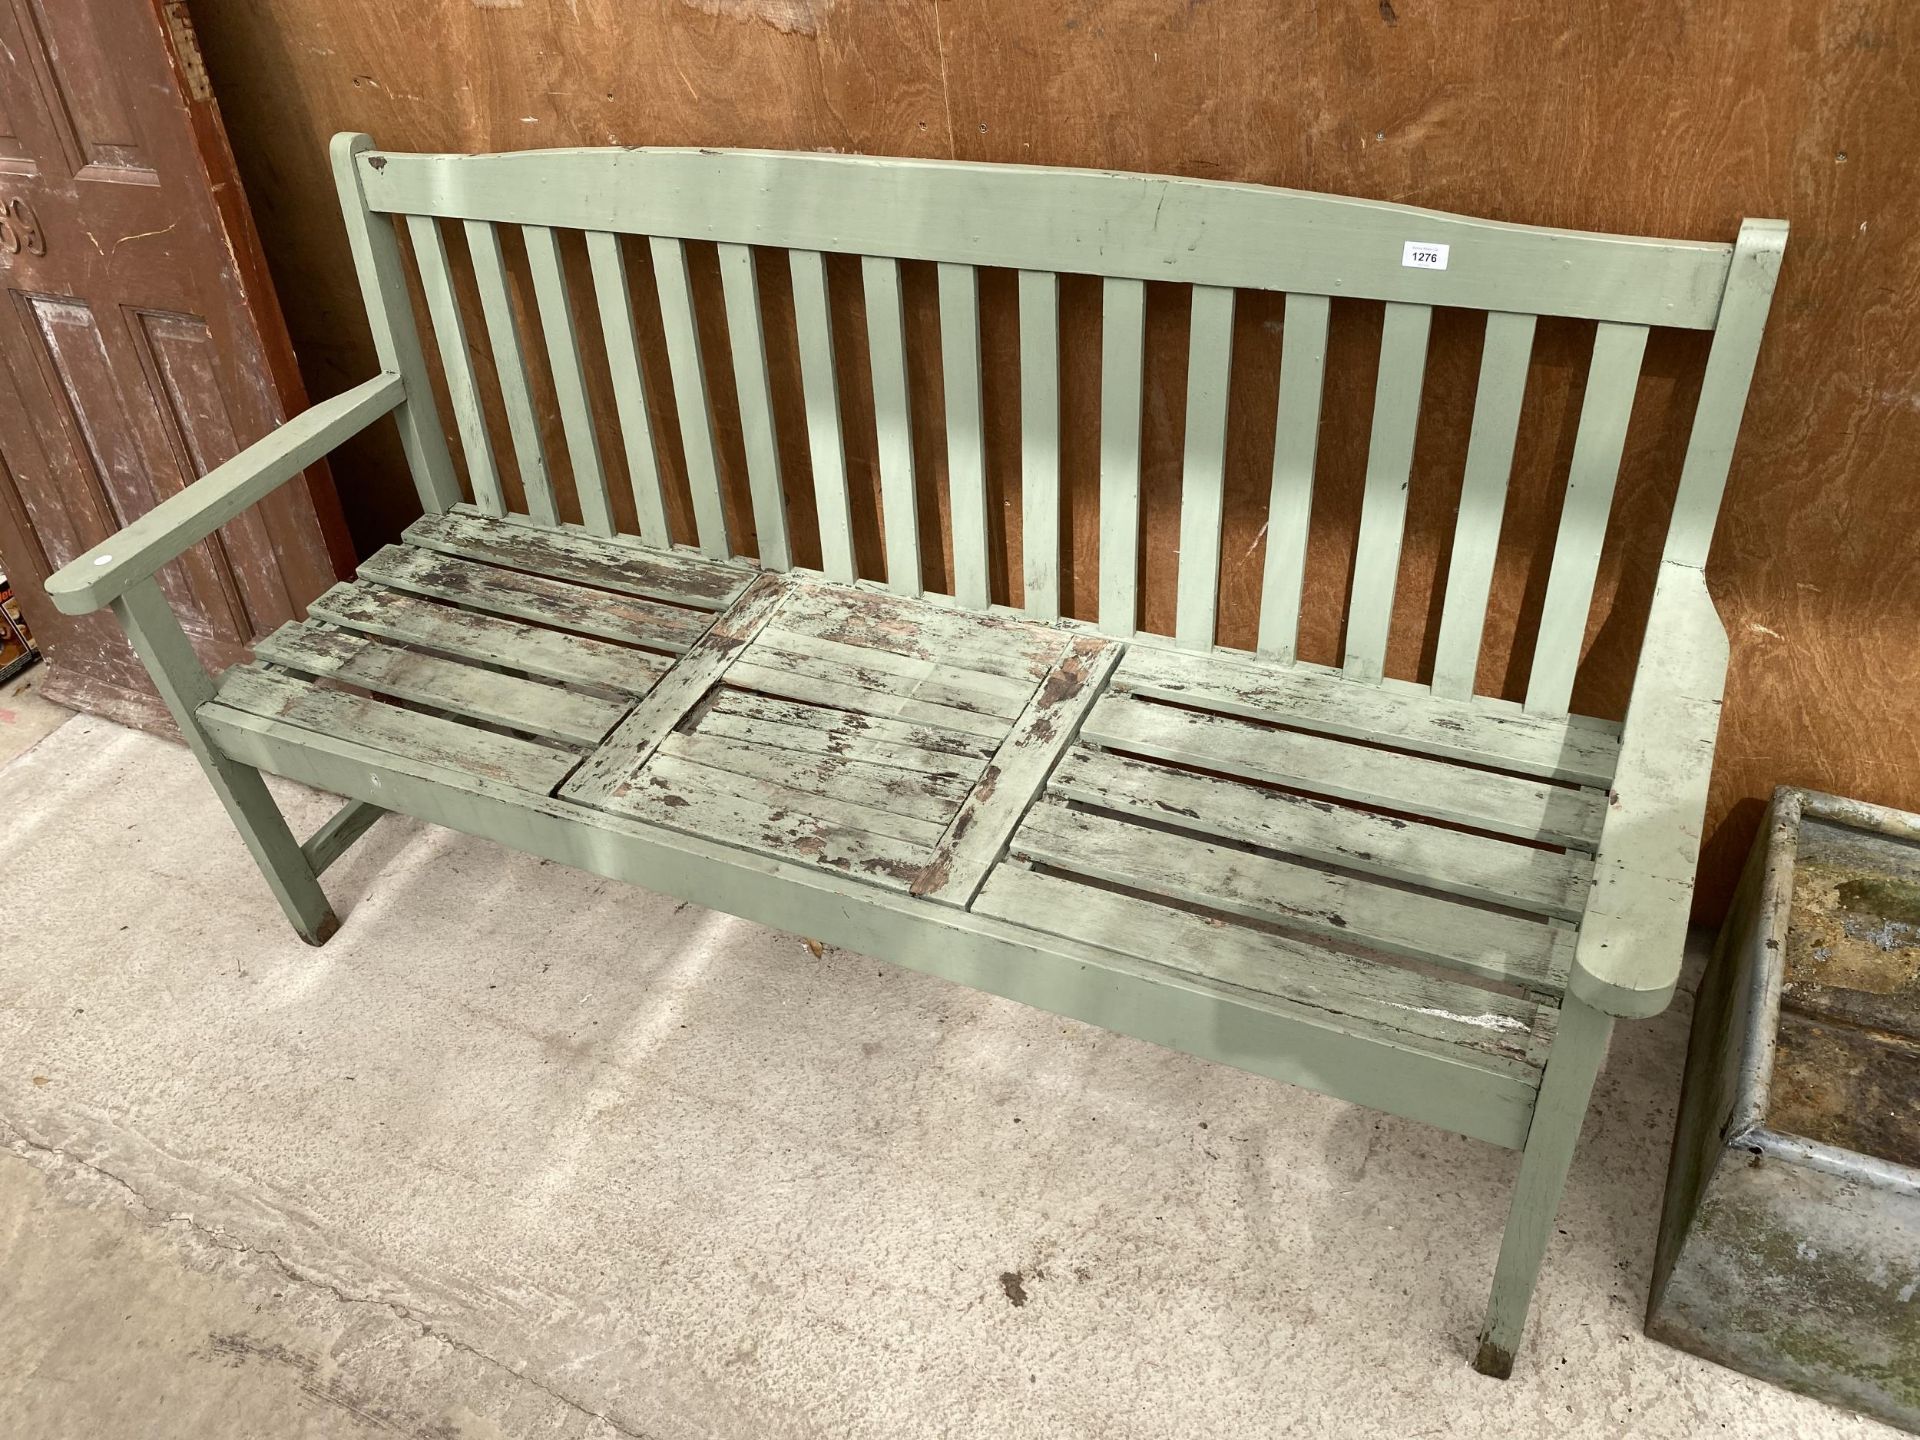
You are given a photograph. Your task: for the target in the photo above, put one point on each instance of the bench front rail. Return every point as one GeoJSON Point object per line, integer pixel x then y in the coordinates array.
{"type": "Point", "coordinates": [1401, 893]}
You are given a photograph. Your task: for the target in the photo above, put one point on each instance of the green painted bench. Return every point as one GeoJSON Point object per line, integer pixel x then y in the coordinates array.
{"type": "Point", "coordinates": [1408, 895]}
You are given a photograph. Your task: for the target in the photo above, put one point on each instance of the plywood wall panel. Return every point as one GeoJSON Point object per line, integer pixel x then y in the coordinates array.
{"type": "Point", "coordinates": [1641, 116]}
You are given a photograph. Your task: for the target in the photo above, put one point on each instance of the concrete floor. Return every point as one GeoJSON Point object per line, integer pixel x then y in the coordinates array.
{"type": "Point", "coordinates": [25, 718]}
{"type": "Point", "coordinates": [523, 1153]}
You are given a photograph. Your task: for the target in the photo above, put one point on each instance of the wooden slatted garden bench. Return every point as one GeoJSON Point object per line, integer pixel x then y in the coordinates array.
{"type": "Point", "coordinates": [1409, 895]}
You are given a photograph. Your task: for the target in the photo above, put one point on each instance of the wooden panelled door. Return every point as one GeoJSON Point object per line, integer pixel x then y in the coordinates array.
{"type": "Point", "coordinates": [141, 344]}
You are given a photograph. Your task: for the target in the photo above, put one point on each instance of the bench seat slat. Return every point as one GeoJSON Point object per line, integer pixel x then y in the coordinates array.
{"type": "Point", "coordinates": [826, 808]}
{"type": "Point", "coordinates": [937, 680]}
{"type": "Point", "coordinates": [1525, 877]}
{"type": "Point", "coordinates": [886, 787]}
{"type": "Point", "coordinates": [490, 639]}
{"type": "Point", "coordinates": [683, 799]}
{"type": "Point", "coordinates": [1364, 912]}
{"type": "Point", "coordinates": [678, 579]}
{"type": "Point", "coordinates": [770, 720]}
{"type": "Point", "coordinates": [522, 765]}
{"type": "Point", "coordinates": [992, 644]}
{"type": "Point", "coordinates": [1434, 1015]}
{"type": "Point", "coordinates": [628, 619]}
{"type": "Point", "coordinates": [1581, 751]}
{"type": "Point", "coordinates": [506, 700]}
{"type": "Point", "coordinates": [825, 682]}
{"type": "Point", "coordinates": [1383, 779]}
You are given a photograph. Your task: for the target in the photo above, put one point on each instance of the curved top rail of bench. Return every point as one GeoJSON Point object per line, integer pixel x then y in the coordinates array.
{"type": "Point", "coordinates": [1095, 222]}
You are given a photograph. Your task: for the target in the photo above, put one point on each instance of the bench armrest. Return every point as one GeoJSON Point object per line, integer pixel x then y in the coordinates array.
{"type": "Point", "coordinates": [124, 559]}
{"type": "Point", "coordinates": [1627, 960]}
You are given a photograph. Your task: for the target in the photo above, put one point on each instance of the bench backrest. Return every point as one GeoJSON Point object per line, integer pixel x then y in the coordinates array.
{"type": "Point", "coordinates": [1125, 229]}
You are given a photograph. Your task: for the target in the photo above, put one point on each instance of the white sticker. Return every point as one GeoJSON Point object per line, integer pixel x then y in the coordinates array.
{"type": "Point", "coordinates": [1421, 255]}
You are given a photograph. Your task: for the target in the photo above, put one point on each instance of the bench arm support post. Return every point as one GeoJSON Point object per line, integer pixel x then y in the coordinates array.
{"type": "Point", "coordinates": [185, 686]}
{"type": "Point", "coordinates": [1627, 961]}
{"type": "Point", "coordinates": [120, 573]}
{"type": "Point", "coordinates": [123, 560]}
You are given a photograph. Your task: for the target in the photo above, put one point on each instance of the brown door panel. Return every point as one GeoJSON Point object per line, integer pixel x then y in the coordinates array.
{"type": "Point", "coordinates": [139, 338]}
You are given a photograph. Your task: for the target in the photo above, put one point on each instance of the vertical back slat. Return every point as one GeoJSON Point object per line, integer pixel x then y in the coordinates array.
{"type": "Point", "coordinates": [569, 376]}
{"type": "Point", "coordinates": [463, 390]}
{"type": "Point", "coordinates": [887, 345]}
{"type": "Point", "coordinates": [1595, 468]}
{"type": "Point", "coordinates": [1203, 474]}
{"type": "Point", "coordinates": [1040, 441]}
{"type": "Point", "coordinates": [1723, 389]}
{"type": "Point", "coordinates": [509, 363]}
{"type": "Point", "coordinates": [740, 283]}
{"type": "Point", "coordinates": [1396, 418]}
{"type": "Point", "coordinates": [628, 372]}
{"type": "Point", "coordinates": [1123, 305]}
{"type": "Point", "coordinates": [1296, 441]}
{"type": "Point", "coordinates": [966, 436]}
{"type": "Point", "coordinates": [383, 287]}
{"type": "Point", "coordinates": [689, 371]}
{"type": "Point", "coordinates": [1504, 357]}
{"type": "Point", "coordinates": [821, 389]}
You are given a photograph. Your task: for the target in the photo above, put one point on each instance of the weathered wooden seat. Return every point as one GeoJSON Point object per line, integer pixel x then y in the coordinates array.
{"type": "Point", "coordinates": [1396, 891]}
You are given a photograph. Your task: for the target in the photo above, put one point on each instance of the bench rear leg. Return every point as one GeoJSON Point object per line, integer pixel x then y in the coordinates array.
{"type": "Point", "coordinates": [1578, 1049]}
{"type": "Point", "coordinates": [185, 686]}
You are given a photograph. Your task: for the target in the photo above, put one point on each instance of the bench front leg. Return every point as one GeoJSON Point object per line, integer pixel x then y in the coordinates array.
{"type": "Point", "coordinates": [185, 685]}
{"type": "Point", "coordinates": [1579, 1047]}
